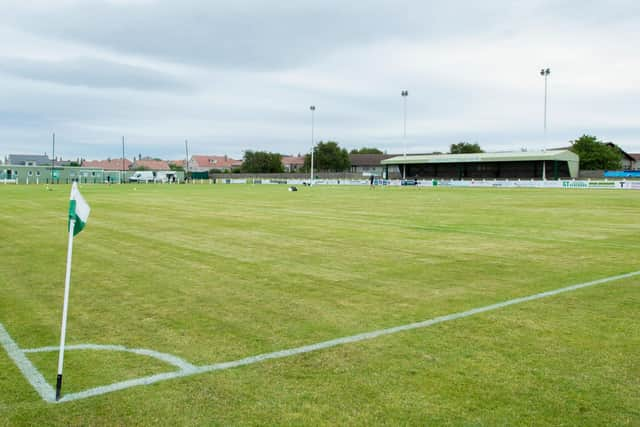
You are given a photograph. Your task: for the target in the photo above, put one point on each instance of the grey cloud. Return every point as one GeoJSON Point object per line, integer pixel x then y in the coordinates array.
{"type": "Point", "coordinates": [255, 34]}
{"type": "Point", "coordinates": [92, 73]}
{"type": "Point", "coordinates": [258, 34]}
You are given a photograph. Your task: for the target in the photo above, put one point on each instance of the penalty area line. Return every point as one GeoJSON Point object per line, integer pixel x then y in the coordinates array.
{"type": "Point", "coordinates": [331, 343]}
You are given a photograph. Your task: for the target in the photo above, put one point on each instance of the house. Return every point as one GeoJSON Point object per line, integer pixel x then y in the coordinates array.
{"type": "Point", "coordinates": [292, 163]}
{"type": "Point", "coordinates": [636, 160]}
{"type": "Point", "coordinates": [368, 164]}
{"type": "Point", "coordinates": [109, 164]}
{"type": "Point", "coordinates": [176, 163]}
{"type": "Point", "coordinates": [628, 161]}
{"type": "Point", "coordinates": [28, 160]}
{"type": "Point", "coordinates": [200, 163]}
{"type": "Point", "coordinates": [152, 165]}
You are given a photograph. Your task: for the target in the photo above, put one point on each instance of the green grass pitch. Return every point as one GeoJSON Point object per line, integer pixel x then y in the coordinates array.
{"type": "Point", "coordinates": [216, 273]}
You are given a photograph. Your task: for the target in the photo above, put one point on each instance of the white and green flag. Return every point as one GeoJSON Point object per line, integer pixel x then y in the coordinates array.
{"type": "Point", "coordinates": [78, 210]}
{"type": "Point", "coordinates": [78, 216]}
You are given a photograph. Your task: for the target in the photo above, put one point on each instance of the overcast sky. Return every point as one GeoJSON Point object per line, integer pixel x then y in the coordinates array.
{"type": "Point", "coordinates": [240, 75]}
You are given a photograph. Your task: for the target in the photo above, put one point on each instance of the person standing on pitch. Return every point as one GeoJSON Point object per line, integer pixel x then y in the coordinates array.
{"type": "Point", "coordinates": [371, 181]}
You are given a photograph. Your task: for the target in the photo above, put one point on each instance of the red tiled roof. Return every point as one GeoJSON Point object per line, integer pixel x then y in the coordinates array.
{"type": "Point", "coordinates": [215, 162]}
{"type": "Point", "coordinates": [155, 165]}
{"type": "Point", "coordinates": [176, 162]}
{"type": "Point", "coordinates": [293, 160]}
{"type": "Point", "coordinates": [108, 165]}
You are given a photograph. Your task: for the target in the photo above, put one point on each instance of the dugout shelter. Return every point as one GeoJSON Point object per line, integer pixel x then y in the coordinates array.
{"type": "Point", "coordinates": [552, 164]}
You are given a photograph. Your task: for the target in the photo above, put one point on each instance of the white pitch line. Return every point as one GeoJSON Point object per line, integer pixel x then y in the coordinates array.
{"type": "Point", "coordinates": [26, 367]}
{"type": "Point", "coordinates": [332, 343]}
{"type": "Point", "coordinates": [165, 357]}
{"type": "Point", "coordinates": [124, 385]}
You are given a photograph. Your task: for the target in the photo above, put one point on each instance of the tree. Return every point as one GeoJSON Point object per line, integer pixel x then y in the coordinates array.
{"type": "Point", "coordinates": [261, 162]}
{"type": "Point", "coordinates": [595, 155]}
{"type": "Point", "coordinates": [328, 156]}
{"type": "Point", "coordinates": [366, 150]}
{"type": "Point", "coordinates": [465, 147]}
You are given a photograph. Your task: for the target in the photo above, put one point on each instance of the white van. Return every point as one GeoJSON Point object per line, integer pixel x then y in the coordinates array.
{"type": "Point", "coordinates": [165, 177]}
{"type": "Point", "coordinates": [142, 176]}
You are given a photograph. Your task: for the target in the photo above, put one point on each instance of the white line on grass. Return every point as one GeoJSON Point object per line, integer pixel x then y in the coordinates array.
{"type": "Point", "coordinates": [165, 357]}
{"type": "Point", "coordinates": [26, 367]}
{"type": "Point", "coordinates": [283, 353]}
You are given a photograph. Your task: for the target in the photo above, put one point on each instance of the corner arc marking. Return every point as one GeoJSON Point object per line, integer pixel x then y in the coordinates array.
{"type": "Point", "coordinates": [176, 361]}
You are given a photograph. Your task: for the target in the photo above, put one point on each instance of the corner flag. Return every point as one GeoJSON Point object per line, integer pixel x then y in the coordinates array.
{"type": "Point", "coordinates": [78, 215]}
{"type": "Point", "coordinates": [78, 210]}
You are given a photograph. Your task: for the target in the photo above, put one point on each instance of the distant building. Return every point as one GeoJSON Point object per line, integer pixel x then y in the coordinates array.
{"type": "Point", "coordinates": [551, 164]}
{"type": "Point", "coordinates": [628, 161]}
{"type": "Point", "coordinates": [636, 160]}
{"type": "Point", "coordinates": [152, 165]}
{"type": "Point", "coordinates": [292, 163]}
{"type": "Point", "coordinates": [28, 160]}
{"type": "Point", "coordinates": [368, 164]}
{"type": "Point", "coordinates": [176, 163]}
{"type": "Point", "coordinates": [200, 163]}
{"type": "Point", "coordinates": [109, 164]}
